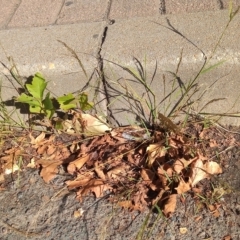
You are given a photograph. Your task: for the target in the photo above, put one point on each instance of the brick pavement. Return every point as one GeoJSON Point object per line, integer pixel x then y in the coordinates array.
{"type": "Point", "coordinates": [36, 13]}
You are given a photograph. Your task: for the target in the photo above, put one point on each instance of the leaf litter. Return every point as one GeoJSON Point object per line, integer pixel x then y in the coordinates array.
{"type": "Point", "coordinates": [139, 168]}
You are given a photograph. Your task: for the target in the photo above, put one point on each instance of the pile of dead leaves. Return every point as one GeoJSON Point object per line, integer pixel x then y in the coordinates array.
{"type": "Point", "coordinates": [141, 168]}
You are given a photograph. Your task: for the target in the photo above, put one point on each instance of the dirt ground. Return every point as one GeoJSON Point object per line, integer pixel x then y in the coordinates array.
{"type": "Point", "coordinates": [32, 209]}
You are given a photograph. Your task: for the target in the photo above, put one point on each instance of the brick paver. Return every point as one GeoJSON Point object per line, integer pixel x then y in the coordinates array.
{"type": "Point", "coordinates": [7, 9]}
{"type": "Point", "coordinates": [82, 11]}
{"type": "Point", "coordinates": [35, 13]}
{"type": "Point", "coordinates": [134, 8]}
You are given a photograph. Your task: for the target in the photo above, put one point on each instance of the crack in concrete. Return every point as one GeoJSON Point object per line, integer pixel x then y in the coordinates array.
{"type": "Point", "coordinates": [220, 4]}
{"type": "Point", "coordinates": [162, 7]}
{"type": "Point", "coordinates": [103, 88]}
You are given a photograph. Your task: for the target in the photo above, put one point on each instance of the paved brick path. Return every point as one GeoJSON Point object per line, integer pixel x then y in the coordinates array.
{"type": "Point", "coordinates": [35, 13]}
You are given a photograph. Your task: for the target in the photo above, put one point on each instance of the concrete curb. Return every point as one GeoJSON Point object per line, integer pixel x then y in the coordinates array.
{"type": "Point", "coordinates": [37, 49]}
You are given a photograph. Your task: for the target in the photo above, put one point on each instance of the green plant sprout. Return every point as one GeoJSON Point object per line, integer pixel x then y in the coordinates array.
{"type": "Point", "coordinates": [40, 103]}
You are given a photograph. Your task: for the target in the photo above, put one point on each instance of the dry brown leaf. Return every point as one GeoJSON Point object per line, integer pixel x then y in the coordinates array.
{"type": "Point", "coordinates": [181, 164]}
{"type": "Point", "coordinates": [99, 172]}
{"type": "Point", "coordinates": [183, 187]}
{"type": "Point", "coordinates": [201, 171]}
{"type": "Point", "coordinates": [49, 169]}
{"type": "Point", "coordinates": [51, 149]}
{"type": "Point", "coordinates": [228, 237]}
{"type": "Point", "coordinates": [168, 124]}
{"type": "Point", "coordinates": [38, 139]}
{"type": "Point", "coordinates": [154, 151]}
{"type": "Point", "coordinates": [165, 172]}
{"type": "Point", "coordinates": [79, 182]}
{"type": "Point", "coordinates": [118, 171]}
{"type": "Point", "coordinates": [74, 147]}
{"type": "Point", "coordinates": [2, 178]}
{"type": "Point", "coordinates": [97, 186]}
{"type": "Point", "coordinates": [212, 168]}
{"type": "Point", "coordinates": [9, 162]}
{"type": "Point", "coordinates": [77, 164]}
{"type": "Point", "coordinates": [170, 205]}
{"type": "Point", "coordinates": [213, 143]}
{"type": "Point", "coordinates": [126, 204]}
{"type": "Point", "coordinates": [93, 125]}
{"type": "Point", "coordinates": [32, 164]}
{"type": "Point", "coordinates": [11, 168]}
{"type": "Point", "coordinates": [197, 173]}
{"type": "Point", "coordinates": [42, 149]}
{"type": "Point", "coordinates": [147, 175]}
{"type": "Point", "coordinates": [129, 205]}
{"type": "Point", "coordinates": [214, 210]}
{"type": "Point", "coordinates": [197, 218]}
{"type": "Point", "coordinates": [78, 213]}
{"type": "Point", "coordinates": [183, 230]}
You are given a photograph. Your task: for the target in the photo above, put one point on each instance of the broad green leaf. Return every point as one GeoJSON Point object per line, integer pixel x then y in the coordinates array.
{"type": "Point", "coordinates": [68, 106]}
{"type": "Point", "coordinates": [67, 102]}
{"type": "Point", "coordinates": [35, 109]}
{"type": "Point", "coordinates": [66, 98]}
{"type": "Point", "coordinates": [23, 98]}
{"type": "Point", "coordinates": [83, 101]}
{"type": "Point", "coordinates": [48, 106]}
{"type": "Point", "coordinates": [37, 87]}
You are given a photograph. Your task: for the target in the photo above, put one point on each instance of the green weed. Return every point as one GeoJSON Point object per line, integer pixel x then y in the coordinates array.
{"type": "Point", "coordinates": [41, 103]}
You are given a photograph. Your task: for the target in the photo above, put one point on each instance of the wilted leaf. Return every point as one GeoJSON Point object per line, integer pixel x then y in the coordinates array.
{"type": "Point", "coordinates": [167, 123]}
{"type": "Point", "coordinates": [99, 172]}
{"type": "Point", "coordinates": [181, 164]}
{"type": "Point", "coordinates": [126, 204]}
{"type": "Point", "coordinates": [214, 210]}
{"type": "Point", "coordinates": [51, 149]}
{"type": "Point", "coordinates": [11, 168]}
{"type": "Point", "coordinates": [201, 171]}
{"type": "Point", "coordinates": [42, 149]}
{"type": "Point", "coordinates": [183, 187]}
{"type": "Point", "coordinates": [165, 173]}
{"type": "Point", "coordinates": [32, 164]}
{"type": "Point", "coordinates": [77, 164]}
{"type": "Point", "coordinates": [93, 125]}
{"type": "Point", "coordinates": [97, 186]}
{"type": "Point", "coordinates": [117, 172]}
{"type": "Point", "coordinates": [49, 169]}
{"type": "Point", "coordinates": [196, 219]}
{"type": "Point", "coordinates": [78, 213]}
{"type": "Point", "coordinates": [2, 178]}
{"type": "Point", "coordinates": [170, 205]}
{"type": "Point", "coordinates": [80, 182]}
{"type": "Point", "coordinates": [183, 230]}
{"type": "Point", "coordinates": [147, 175]}
{"type": "Point", "coordinates": [197, 173]}
{"type": "Point", "coordinates": [212, 168]}
{"type": "Point", "coordinates": [155, 151]}
{"type": "Point", "coordinates": [228, 237]}
{"type": "Point", "coordinates": [38, 139]}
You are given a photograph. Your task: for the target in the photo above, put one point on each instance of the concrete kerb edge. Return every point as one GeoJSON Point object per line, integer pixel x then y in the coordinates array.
{"type": "Point", "coordinates": [68, 66]}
